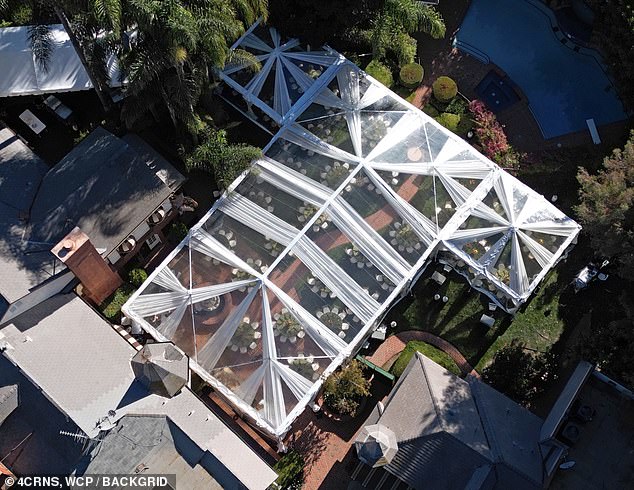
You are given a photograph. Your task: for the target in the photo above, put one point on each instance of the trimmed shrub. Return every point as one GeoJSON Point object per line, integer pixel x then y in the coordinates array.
{"type": "Point", "coordinates": [111, 307]}
{"type": "Point", "coordinates": [137, 276]}
{"type": "Point", "coordinates": [450, 121]}
{"type": "Point", "coordinates": [411, 75]}
{"type": "Point", "coordinates": [380, 72]}
{"type": "Point", "coordinates": [430, 110]}
{"type": "Point", "coordinates": [444, 89]}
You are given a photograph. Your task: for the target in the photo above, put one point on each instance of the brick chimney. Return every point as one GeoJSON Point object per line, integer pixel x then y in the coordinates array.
{"type": "Point", "coordinates": [97, 278]}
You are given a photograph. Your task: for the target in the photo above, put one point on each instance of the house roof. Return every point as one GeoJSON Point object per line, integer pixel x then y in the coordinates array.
{"type": "Point", "coordinates": [21, 74]}
{"type": "Point", "coordinates": [448, 428]}
{"type": "Point", "coordinates": [153, 442]}
{"type": "Point", "coordinates": [38, 423]}
{"type": "Point", "coordinates": [64, 335]}
{"type": "Point", "coordinates": [106, 185]}
{"type": "Point", "coordinates": [21, 172]}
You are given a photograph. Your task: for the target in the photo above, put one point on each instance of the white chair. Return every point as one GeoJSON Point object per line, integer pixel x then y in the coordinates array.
{"type": "Point", "coordinates": [487, 320]}
{"type": "Point", "coordinates": [438, 277]}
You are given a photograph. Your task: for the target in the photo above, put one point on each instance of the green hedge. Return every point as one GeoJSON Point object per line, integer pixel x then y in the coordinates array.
{"type": "Point", "coordinates": [450, 121]}
{"type": "Point", "coordinates": [137, 276]}
{"type": "Point", "coordinates": [380, 72]}
{"type": "Point", "coordinates": [444, 89]}
{"type": "Point", "coordinates": [411, 75]}
{"type": "Point", "coordinates": [111, 307]}
{"type": "Point", "coordinates": [430, 351]}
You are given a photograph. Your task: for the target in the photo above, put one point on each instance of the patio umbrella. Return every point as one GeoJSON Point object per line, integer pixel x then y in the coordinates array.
{"type": "Point", "coordinates": [161, 368]}
{"type": "Point", "coordinates": [376, 445]}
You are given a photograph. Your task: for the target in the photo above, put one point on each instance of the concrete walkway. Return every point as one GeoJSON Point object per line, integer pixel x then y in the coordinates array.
{"type": "Point", "coordinates": [396, 343]}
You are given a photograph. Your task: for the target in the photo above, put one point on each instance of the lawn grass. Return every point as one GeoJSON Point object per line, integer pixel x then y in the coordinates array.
{"type": "Point", "coordinates": [426, 349]}
{"type": "Point", "coordinates": [457, 321]}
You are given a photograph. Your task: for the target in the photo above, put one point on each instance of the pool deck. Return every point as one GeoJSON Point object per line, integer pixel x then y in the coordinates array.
{"type": "Point", "coordinates": [439, 57]}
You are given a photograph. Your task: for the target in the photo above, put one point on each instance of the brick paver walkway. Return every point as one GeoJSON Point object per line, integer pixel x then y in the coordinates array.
{"type": "Point", "coordinates": [396, 343]}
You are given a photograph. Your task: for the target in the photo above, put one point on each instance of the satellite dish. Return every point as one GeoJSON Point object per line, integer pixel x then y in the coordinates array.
{"type": "Point", "coordinates": [101, 250]}
{"type": "Point", "coordinates": [567, 465]}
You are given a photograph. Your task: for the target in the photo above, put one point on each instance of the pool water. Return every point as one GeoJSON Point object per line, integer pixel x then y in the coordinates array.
{"type": "Point", "coordinates": [496, 92]}
{"type": "Point", "coordinates": [564, 86]}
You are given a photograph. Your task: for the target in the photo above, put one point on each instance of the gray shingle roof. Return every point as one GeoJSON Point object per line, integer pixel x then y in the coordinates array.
{"type": "Point", "coordinates": [106, 185]}
{"type": "Point", "coordinates": [21, 172]}
{"type": "Point", "coordinates": [154, 443]}
{"type": "Point", "coordinates": [450, 430]}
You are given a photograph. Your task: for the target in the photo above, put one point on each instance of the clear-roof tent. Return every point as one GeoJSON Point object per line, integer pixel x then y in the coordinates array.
{"type": "Point", "coordinates": [357, 192]}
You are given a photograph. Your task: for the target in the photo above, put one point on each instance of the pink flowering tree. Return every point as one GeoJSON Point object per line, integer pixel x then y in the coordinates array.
{"type": "Point", "coordinates": [492, 138]}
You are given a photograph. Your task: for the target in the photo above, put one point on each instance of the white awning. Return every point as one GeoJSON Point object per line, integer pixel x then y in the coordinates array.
{"type": "Point", "coordinates": [20, 74]}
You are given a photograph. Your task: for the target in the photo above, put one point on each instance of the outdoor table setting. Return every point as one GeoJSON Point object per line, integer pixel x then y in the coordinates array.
{"type": "Point", "coordinates": [404, 238]}
{"type": "Point", "coordinates": [385, 285]}
{"type": "Point", "coordinates": [333, 318]}
{"type": "Point", "coordinates": [240, 275]}
{"type": "Point", "coordinates": [318, 287]}
{"type": "Point", "coordinates": [245, 336]}
{"type": "Point", "coordinates": [306, 366]}
{"type": "Point", "coordinates": [227, 239]}
{"type": "Point", "coordinates": [356, 257]}
{"type": "Point", "coordinates": [334, 174]}
{"type": "Point", "coordinates": [286, 327]}
{"type": "Point", "coordinates": [307, 211]}
{"type": "Point", "coordinates": [263, 200]}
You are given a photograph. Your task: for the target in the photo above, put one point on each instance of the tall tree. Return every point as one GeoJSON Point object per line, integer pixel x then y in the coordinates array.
{"type": "Point", "coordinates": [606, 208]}
{"type": "Point", "coordinates": [84, 21]}
{"type": "Point", "coordinates": [319, 22]}
{"type": "Point", "coordinates": [614, 30]}
{"type": "Point", "coordinates": [175, 44]}
{"type": "Point", "coordinates": [391, 28]}
{"type": "Point", "coordinates": [519, 373]}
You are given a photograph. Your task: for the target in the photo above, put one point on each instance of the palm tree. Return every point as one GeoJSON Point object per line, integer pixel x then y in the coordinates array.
{"type": "Point", "coordinates": [84, 21]}
{"type": "Point", "coordinates": [177, 41]}
{"type": "Point", "coordinates": [391, 29]}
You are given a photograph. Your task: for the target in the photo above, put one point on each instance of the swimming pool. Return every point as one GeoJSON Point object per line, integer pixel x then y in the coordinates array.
{"type": "Point", "coordinates": [564, 84]}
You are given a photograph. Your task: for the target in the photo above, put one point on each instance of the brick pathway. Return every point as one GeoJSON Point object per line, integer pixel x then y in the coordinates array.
{"type": "Point", "coordinates": [396, 343]}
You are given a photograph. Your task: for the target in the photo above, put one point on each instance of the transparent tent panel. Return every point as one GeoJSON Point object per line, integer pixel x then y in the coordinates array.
{"type": "Point", "coordinates": [297, 281]}
{"type": "Point", "coordinates": [368, 200]}
{"type": "Point", "coordinates": [273, 200]}
{"type": "Point", "coordinates": [254, 248]}
{"type": "Point", "coordinates": [333, 129]}
{"type": "Point", "coordinates": [351, 260]}
{"type": "Point", "coordinates": [284, 275]}
{"type": "Point", "coordinates": [307, 160]}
